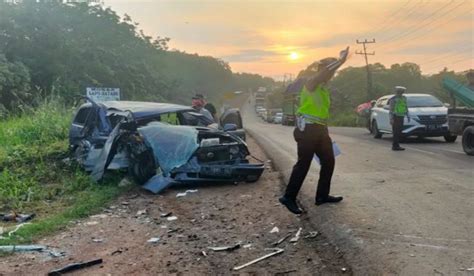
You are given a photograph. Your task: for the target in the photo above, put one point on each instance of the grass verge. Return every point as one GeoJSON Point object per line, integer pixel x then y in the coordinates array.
{"type": "Point", "coordinates": [34, 178]}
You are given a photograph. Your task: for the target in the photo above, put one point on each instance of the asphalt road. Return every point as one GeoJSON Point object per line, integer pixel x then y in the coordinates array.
{"type": "Point", "coordinates": [404, 213]}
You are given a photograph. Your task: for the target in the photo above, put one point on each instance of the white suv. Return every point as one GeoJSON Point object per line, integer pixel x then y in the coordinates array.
{"type": "Point", "coordinates": [428, 117]}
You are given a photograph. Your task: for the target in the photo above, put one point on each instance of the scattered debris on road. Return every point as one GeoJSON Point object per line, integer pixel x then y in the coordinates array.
{"type": "Point", "coordinates": [225, 248]}
{"type": "Point", "coordinates": [172, 218]}
{"type": "Point", "coordinates": [98, 240]}
{"type": "Point", "coordinates": [153, 240]}
{"type": "Point", "coordinates": [186, 193]}
{"type": "Point", "coordinates": [311, 235]}
{"type": "Point", "coordinates": [20, 218]}
{"type": "Point", "coordinates": [75, 266]}
{"type": "Point", "coordinates": [141, 212]}
{"type": "Point", "coordinates": [22, 248]}
{"type": "Point", "coordinates": [275, 230]}
{"type": "Point", "coordinates": [297, 236]}
{"type": "Point", "coordinates": [278, 251]}
{"type": "Point", "coordinates": [282, 239]}
{"type": "Point", "coordinates": [165, 215]}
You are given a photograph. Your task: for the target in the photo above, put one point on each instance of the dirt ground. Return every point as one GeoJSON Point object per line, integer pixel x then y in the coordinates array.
{"type": "Point", "coordinates": [217, 215]}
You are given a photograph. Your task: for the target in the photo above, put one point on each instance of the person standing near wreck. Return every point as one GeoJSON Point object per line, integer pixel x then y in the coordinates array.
{"type": "Point", "coordinates": [311, 133]}
{"type": "Point", "coordinates": [198, 104]}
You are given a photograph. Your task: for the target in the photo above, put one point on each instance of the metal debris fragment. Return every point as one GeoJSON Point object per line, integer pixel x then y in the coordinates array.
{"type": "Point", "coordinates": [165, 215]}
{"type": "Point", "coordinates": [311, 235]}
{"type": "Point", "coordinates": [22, 248]}
{"type": "Point", "coordinates": [297, 235]}
{"type": "Point", "coordinates": [278, 251]}
{"type": "Point", "coordinates": [282, 239]}
{"type": "Point", "coordinates": [154, 240]}
{"type": "Point", "coordinates": [172, 218]}
{"type": "Point", "coordinates": [17, 228]}
{"type": "Point", "coordinates": [225, 248]}
{"type": "Point", "coordinates": [141, 212]}
{"type": "Point", "coordinates": [75, 266]}
{"type": "Point", "coordinates": [97, 240]}
{"type": "Point", "coordinates": [186, 193]}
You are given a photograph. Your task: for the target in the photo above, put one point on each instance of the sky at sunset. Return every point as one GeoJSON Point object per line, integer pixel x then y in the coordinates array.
{"type": "Point", "coordinates": [275, 37]}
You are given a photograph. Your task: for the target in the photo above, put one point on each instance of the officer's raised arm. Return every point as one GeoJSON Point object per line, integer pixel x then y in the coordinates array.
{"type": "Point", "coordinates": [326, 69]}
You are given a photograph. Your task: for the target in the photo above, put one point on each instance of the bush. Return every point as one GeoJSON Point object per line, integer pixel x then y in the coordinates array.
{"type": "Point", "coordinates": [348, 119]}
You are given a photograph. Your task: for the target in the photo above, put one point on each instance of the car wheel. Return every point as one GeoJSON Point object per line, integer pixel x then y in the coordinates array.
{"type": "Point", "coordinates": [375, 130]}
{"type": "Point", "coordinates": [251, 179]}
{"type": "Point", "coordinates": [450, 138]}
{"type": "Point", "coordinates": [468, 140]}
{"type": "Point", "coordinates": [142, 167]}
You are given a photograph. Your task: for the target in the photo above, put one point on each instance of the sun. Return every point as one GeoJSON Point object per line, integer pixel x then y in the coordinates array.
{"type": "Point", "coordinates": [294, 56]}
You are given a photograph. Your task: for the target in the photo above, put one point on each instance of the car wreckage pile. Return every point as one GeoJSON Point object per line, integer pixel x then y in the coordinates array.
{"type": "Point", "coordinates": [160, 144]}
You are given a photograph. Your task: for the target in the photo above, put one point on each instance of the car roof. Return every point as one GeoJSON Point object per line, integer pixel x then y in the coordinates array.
{"type": "Point", "coordinates": [144, 109]}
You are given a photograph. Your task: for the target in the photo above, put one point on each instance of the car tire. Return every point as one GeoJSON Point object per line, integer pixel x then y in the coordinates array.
{"type": "Point", "coordinates": [450, 138]}
{"type": "Point", "coordinates": [142, 167]}
{"type": "Point", "coordinates": [251, 178]}
{"type": "Point", "coordinates": [468, 140]}
{"type": "Point", "coordinates": [375, 130]}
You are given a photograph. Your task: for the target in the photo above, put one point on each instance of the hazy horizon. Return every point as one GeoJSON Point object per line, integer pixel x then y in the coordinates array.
{"type": "Point", "coordinates": [274, 38]}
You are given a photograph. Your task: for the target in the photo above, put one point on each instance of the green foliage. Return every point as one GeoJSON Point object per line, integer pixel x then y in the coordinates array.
{"type": "Point", "coordinates": [14, 85]}
{"type": "Point", "coordinates": [34, 178]}
{"type": "Point", "coordinates": [61, 49]}
{"type": "Point", "coordinates": [350, 84]}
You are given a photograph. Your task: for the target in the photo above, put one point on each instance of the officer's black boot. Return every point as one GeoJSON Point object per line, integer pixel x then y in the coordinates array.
{"type": "Point", "coordinates": [291, 205]}
{"type": "Point", "coordinates": [329, 199]}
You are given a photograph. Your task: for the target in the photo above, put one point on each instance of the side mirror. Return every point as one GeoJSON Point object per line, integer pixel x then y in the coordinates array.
{"type": "Point", "coordinates": [230, 127]}
{"type": "Point", "coordinates": [387, 107]}
{"type": "Point", "coordinates": [447, 105]}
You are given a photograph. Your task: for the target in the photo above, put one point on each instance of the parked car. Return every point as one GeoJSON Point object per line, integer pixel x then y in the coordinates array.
{"type": "Point", "coordinates": [159, 143]}
{"type": "Point", "coordinates": [278, 118]}
{"type": "Point", "coordinates": [428, 117]}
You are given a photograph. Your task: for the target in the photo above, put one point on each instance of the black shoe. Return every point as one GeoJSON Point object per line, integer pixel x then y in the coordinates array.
{"type": "Point", "coordinates": [398, 148]}
{"type": "Point", "coordinates": [329, 199]}
{"type": "Point", "coordinates": [291, 205]}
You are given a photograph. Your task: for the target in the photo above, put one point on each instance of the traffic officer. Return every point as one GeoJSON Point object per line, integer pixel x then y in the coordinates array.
{"type": "Point", "coordinates": [311, 133]}
{"type": "Point", "coordinates": [398, 111]}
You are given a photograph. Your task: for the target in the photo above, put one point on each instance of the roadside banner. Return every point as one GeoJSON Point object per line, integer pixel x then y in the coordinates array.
{"type": "Point", "coordinates": [102, 94]}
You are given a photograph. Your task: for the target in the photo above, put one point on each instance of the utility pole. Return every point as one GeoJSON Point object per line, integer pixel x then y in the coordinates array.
{"type": "Point", "coordinates": [370, 94]}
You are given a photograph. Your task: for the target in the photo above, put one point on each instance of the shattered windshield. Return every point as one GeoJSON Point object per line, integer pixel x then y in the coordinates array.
{"type": "Point", "coordinates": [172, 145]}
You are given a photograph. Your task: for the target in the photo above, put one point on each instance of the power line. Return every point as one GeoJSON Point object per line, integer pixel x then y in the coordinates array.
{"type": "Point", "coordinates": [450, 64]}
{"type": "Point", "coordinates": [417, 28]}
{"type": "Point", "coordinates": [392, 16]}
{"type": "Point", "coordinates": [400, 35]}
{"type": "Point", "coordinates": [427, 32]}
{"type": "Point", "coordinates": [398, 20]}
{"type": "Point", "coordinates": [445, 56]}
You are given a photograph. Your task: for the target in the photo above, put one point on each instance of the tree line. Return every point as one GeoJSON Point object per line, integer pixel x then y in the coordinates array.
{"type": "Point", "coordinates": [349, 86]}
{"type": "Point", "coordinates": [60, 49]}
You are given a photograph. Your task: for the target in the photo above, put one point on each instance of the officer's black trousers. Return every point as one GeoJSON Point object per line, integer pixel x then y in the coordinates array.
{"type": "Point", "coordinates": [397, 128]}
{"type": "Point", "coordinates": [313, 140]}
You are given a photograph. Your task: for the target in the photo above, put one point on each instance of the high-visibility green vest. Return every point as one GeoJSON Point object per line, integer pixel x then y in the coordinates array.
{"type": "Point", "coordinates": [400, 106]}
{"type": "Point", "coordinates": [314, 106]}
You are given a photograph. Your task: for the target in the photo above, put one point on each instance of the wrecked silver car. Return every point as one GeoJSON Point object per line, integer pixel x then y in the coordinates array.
{"type": "Point", "coordinates": [160, 144]}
